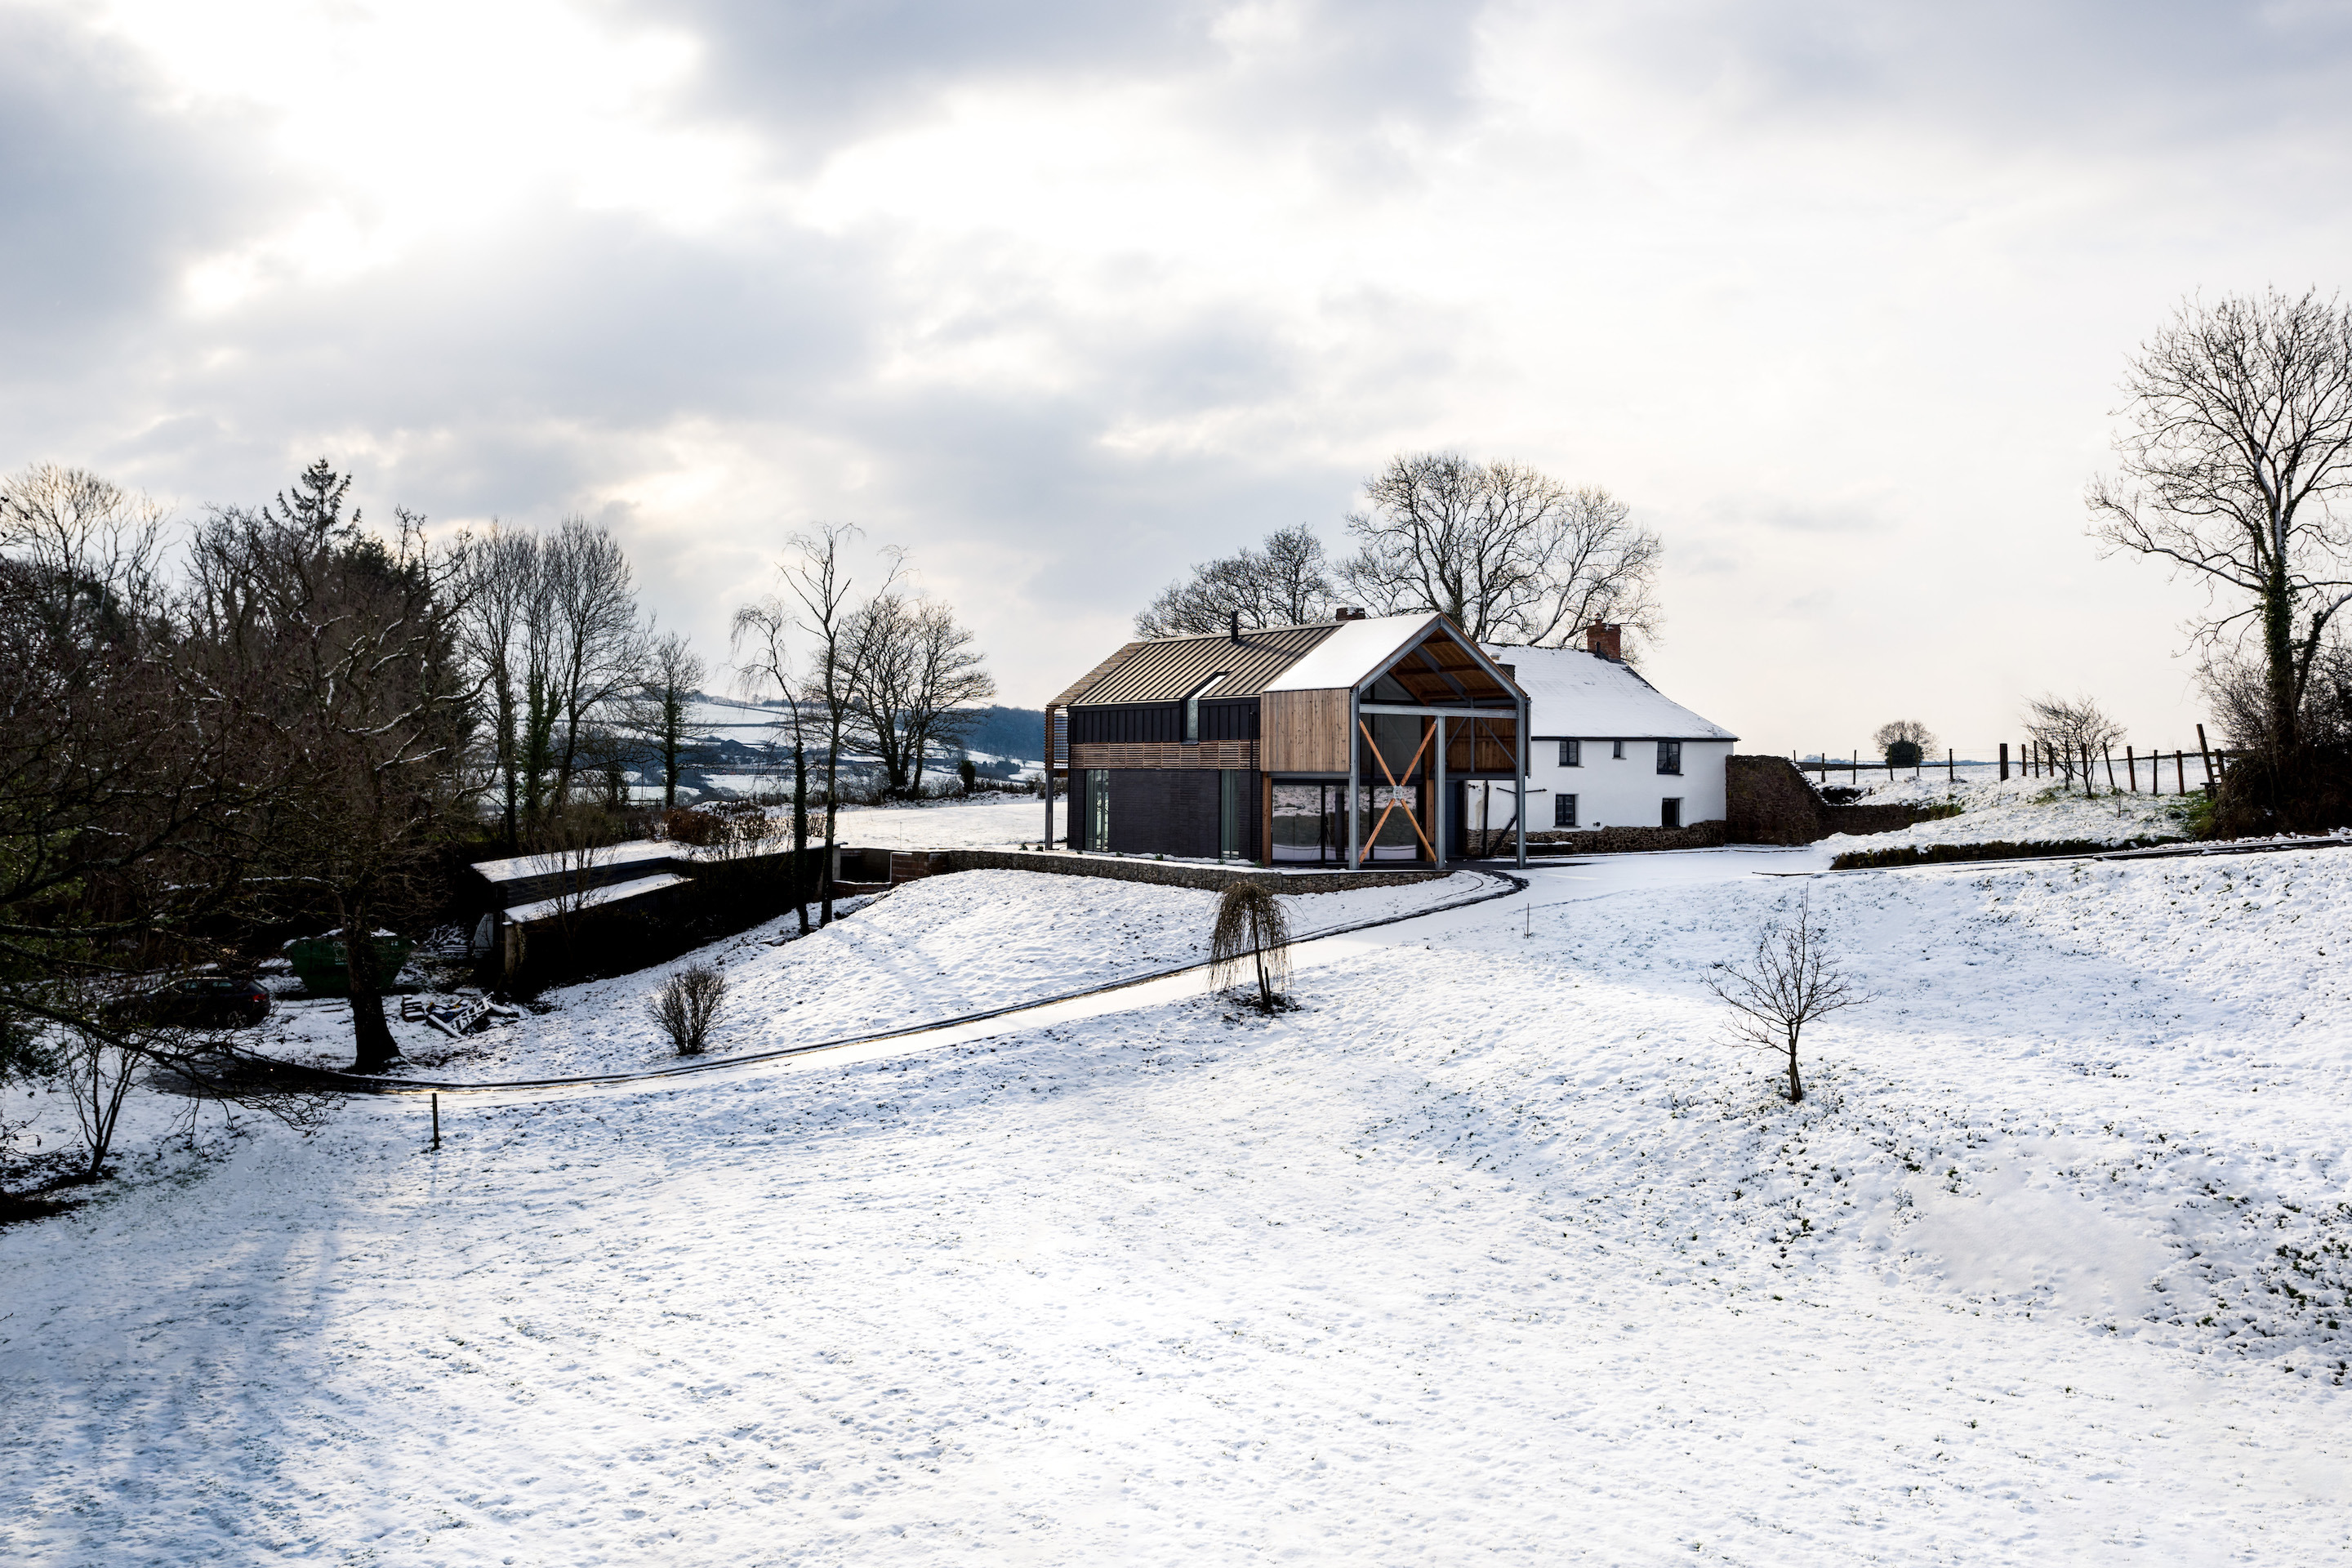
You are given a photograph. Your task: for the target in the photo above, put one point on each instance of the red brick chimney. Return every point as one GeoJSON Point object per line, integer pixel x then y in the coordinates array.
{"type": "Point", "coordinates": [1604, 641]}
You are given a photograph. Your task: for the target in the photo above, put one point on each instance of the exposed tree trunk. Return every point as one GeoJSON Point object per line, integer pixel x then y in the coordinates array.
{"type": "Point", "coordinates": [800, 836]}
{"type": "Point", "coordinates": [373, 1048]}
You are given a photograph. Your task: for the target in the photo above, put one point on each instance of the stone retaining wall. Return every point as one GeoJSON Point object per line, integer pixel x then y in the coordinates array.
{"type": "Point", "coordinates": [1168, 873]}
{"type": "Point", "coordinates": [1629, 840]}
{"type": "Point", "coordinates": [1769, 802]}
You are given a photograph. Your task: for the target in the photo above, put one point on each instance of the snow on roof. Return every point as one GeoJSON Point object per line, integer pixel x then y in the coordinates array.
{"type": "Point", "coordinates": [1575, 693]}
{"type": "Point", "coordinates": [522, 867]}
{"type": "Point", "coordinates": [523, 914]}
{"type": "Point", "coordinates": [1351, 652]}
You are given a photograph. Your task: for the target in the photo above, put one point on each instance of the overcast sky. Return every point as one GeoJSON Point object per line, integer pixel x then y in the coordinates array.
{"type": "Point", "coordinates": [1064, 297]}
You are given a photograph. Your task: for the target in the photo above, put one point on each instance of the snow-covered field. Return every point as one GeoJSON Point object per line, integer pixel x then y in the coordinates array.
{"type": "Point", "coordinates": [998, 822]}
{"type": "Point", "coordinates": [2017, 810]}
{"type": "Point", "coordinates": [937, 948]}
{"type": "Point", "coordinates": [1495, 1252]}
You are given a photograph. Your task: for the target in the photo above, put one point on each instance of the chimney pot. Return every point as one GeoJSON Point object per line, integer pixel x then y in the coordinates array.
{"type": "Point", "coordinates": [1347, 613]}
{"type": "Point", "coordinates": [1605, 641]}
{"type": "Point", "coordinates": [1234, 625]}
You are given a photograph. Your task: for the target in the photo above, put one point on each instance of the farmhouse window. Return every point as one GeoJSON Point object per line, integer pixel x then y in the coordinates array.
{"type": "Point", "coordinates": [1563, 811]}
{"type": "Point", "coordinates": [1670, 811]}
{"type": "Point", "coordinates": [1571, 753]}
{"type": "Point", "coordinates": [1617, 750]}
{"type": "Point", "coordinates": [1670, 756]}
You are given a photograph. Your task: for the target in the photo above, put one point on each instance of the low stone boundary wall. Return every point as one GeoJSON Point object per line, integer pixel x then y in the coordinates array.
{"type": "Point", "coordinates": [1626, 840]}
{"type": "Point", "coordinates": [1169, 873]}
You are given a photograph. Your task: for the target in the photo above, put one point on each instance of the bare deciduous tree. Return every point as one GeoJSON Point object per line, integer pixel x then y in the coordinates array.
{"type": "Point", "coordinates": [1904, 743]}
{"type": "Point", "coordinates": [818, 580]}
{"type": "Point", "coordinates": [2070, 733]}
{"type": "Point", "coordinates": [1791, 982]}
{"type": "Point", "coordinates": [688, 1004]}
{"type": "Point", "coordinates": [1251, 929]}
{"type": "Point", "coordinates": [762, 641]}
{"type": "Point", "coordinates": [918, 681]}
{"type": "Point", "coordinates": [356, 638]}
{"type": "Point", "coordinates": [134, 765]}
{"type": "Point", "coordinates": [599, 650]}
{"type": "Point", "coordinates": [1510, 555]}
{"type": "Point", "coordinates": [1284, 582]}
{"type": "Point", "coordinates": [503, 580]}
{"type": "Point", "coordinates": [2239, 690]}
{"type": "Point", "coordinates": [2233, 467]}
{"type": "Point", "coordinates": [674, 673]}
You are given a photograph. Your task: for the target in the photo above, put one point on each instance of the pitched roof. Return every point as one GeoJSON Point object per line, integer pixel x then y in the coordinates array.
{"type": "Point", "coordinates": [1166, 669]}
{"type": "Point", "coordinates": [1575, 693]}
{"type": "Point", "coordinates": [1353, 650]}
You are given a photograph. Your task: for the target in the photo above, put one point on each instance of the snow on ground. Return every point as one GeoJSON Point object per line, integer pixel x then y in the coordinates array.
{"type": "Point", "coordinates": [1496, 1251]}
{"type": "Point", "coordinates": [2017, 810]}
{"type": "Point", "coordinates": [937, 948]}
{"type": "Point", "coordinates": [996, 822]}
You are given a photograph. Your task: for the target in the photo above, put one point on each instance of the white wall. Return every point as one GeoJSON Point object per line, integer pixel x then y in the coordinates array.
{"type": "Point", "coordinates": [1614, 792]}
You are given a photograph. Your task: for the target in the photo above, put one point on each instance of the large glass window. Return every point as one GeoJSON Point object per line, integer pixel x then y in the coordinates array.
{"type": "Point", "coordinates": [1670, 756]}
{"type": "Point", "coordinates": [1233, 810]}
{"type": "Point", "coordinates": [1098, 809]}
{"type": "Point", "coordinates": [1571, 753]}
{"type": "Point", "coordinates": [1563, 811]}
{"type": "Point", "coordinates": [1307, 824]}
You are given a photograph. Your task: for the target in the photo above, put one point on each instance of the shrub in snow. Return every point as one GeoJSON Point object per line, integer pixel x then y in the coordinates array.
{"type": "Point", "coordinates": [1905, 743]}
{"type": "Point", "coordinates": [688, 1004]}
{"type": "Point", "coordinates": [1791, 982]}
{"type": "Point", "coordinates": [1252, 936]}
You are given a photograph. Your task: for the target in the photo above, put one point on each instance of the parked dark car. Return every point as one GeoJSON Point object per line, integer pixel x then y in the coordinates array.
{"type": "Point", "coordinates": [202, 1002]}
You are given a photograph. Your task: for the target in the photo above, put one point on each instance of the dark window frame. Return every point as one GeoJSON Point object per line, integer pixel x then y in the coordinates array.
{"type": "Point", "coordinates": [1670, 811]}
{"type": "Point", "coordinates": [1192, 707]}
{"type": "Point", "coordinates": [1670, 758]}
{"type": "Point", "coordinates": [1571, 753]}
{"type": "Point", "coordinates": [1563, 810]}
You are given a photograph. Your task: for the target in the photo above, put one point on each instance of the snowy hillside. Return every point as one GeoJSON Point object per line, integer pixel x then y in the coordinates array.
{"type": "Point", "coordinates": [1496, 1252]}
{"type": "Point", "coordinates": [2013, 811]}
{"type": "Point", "coordinates": [937, 948]}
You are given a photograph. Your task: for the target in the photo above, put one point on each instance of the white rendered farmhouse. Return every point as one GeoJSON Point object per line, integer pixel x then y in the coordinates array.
{"type": "Point", "coordinates": [1608, 750]}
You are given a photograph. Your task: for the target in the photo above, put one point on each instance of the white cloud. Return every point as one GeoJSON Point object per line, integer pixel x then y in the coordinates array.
{"type": "Point", "coordinates": [1835, 295]}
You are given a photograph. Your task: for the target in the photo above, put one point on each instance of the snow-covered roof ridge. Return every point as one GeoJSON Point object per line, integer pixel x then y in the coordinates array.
{"type": "Point", "coordinates": [1352, 652]}
{"type": "Point", "coordinates": [1581, 694]}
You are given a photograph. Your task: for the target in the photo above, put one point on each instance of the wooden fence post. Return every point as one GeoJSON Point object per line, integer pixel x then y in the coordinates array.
{"type": "Point", "coordinates": [2131, 770]}
{"type": "Point", "coordinates": [2004, 762]}
{"type": "Point", "coordinates": [2205, 752]}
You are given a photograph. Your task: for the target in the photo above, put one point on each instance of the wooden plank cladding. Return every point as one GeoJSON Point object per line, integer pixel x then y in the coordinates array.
{"type": "Point", "coordinates": [1497, 744]}
{"type": "Point", "coordinates": [1304, 731]}
{"type": "Point", "coordinates": [1164, 754]}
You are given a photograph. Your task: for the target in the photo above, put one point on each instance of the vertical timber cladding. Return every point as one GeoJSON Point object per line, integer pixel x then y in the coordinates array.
{"type": "Point", "coordinates": [1304, 732]}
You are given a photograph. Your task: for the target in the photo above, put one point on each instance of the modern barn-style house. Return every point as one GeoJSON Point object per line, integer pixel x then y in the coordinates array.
{"type": "Point", "coordinates": [1240, 745]}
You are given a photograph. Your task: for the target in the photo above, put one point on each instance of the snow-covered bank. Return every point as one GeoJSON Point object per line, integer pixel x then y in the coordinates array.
{"type": "Point", "coordinates": [2014, 811]}
{"type": "Point", "coordinates": [936, 948]}
{"type": "Point", "coordinates": [1496, 1252]}
{"type": "Point", "coordinates": [991, 822]}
